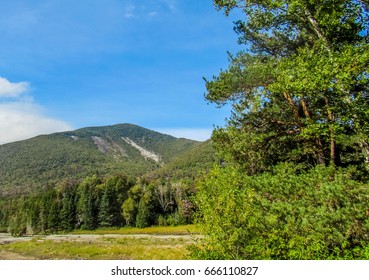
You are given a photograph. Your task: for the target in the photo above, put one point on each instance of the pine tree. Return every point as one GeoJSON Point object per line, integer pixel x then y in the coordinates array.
{"type": "Point", "coordinates": [300, 91]}
{"type": "Point", "coordinates": [106, 210]}
{"type": "Point", "coordinates": [68, 210]}
{"type": "Point", "coordinates": [143, 214]}
{"type": "Point", "coordinates": [87, 210]}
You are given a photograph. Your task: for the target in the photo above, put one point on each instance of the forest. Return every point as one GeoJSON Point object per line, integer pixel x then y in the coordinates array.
{"type": "Point", "coordinates": [95, 202]}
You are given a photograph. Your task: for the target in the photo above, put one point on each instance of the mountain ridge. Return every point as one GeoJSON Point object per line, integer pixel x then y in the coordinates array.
{"type": "Point", "coordinates": [73, 155]}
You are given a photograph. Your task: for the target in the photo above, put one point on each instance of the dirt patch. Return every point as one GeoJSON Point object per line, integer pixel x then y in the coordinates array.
{"type": "Point", "coordinates": [6, 238]}
{"type": "Point", "coordinates": [96, 246]}
{"type": "Point", "coordinates": [5, 255]}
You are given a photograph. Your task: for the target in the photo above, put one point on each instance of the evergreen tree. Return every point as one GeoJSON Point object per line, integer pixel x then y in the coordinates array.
{"type": "Point", "coordinates": [18, 219]}
{"type": "Point", "coordinates": [143, 214]}
{"type": "Point", "coordinates": [87, 200]}
{"type": "Point", "coordinates": [68, 210]}
{"type": "Point", "coordinates": [118, 191]}
{"type": "Point", "coordinates": [51, 208]}
{"type": "Point", "coordinates": [300, 93]}
{"type": "Point", "coordinates": [299, 128]}
{"type": "Point", "coordinates": [106, 211]}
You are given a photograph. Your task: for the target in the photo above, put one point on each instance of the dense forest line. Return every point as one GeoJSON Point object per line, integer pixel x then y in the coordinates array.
{"type": "Point", "coordinates": [98, 202]}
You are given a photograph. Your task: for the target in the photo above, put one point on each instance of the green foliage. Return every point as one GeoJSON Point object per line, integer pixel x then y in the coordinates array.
{"type": "Point", "coordinates": [96, 202]}
{"type": "Point", "coordinates": [129, 211]}
{"type": "Point", "coordinates": [17, 220]}
{"type": "Point", "coordinates": [75, 191]}
{"type": "Point", "coordinates": [114, 193]}
{"type": "Point", "coordinates": [188, 165]}
{"type": "Point", "coordinates": [93, 202]}
{"type": "Point", "coordinates": [143, 214]}
{"type": "Point", "coordinates": [87, 203]}
{"type": "Point", "coordinates": [300, 93]}
{"type": "Point", "coordinates": [106, 214]}
{"type": "Point", "coordinates": [285, 214]}
{"type": "Point", "coordinates": [300, 103]}
{"type": "Point", "coordinates": [61, 157]}
{"type": "Point", "coordinates": [68, 211]}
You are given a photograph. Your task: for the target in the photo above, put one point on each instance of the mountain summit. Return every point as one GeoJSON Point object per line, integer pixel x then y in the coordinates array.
{"type": "Point", "coordinates": [124, 148]}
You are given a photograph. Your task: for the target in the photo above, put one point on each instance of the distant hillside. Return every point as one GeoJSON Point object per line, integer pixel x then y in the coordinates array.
{"type": "Point", "coordinates": [199, 158]}
{"type": "Point", "coordinates": [48, 159]}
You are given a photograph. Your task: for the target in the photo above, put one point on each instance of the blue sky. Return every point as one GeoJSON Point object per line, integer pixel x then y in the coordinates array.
{"type": "Point", "coordinates": [70, 64]}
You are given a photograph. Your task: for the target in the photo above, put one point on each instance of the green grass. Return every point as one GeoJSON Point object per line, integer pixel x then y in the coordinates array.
{"type": "Point", "coordinates": [175, 230]}
{"type": "Point", "coordinates": [101, 249]}
{"type": "Point", "coordinates": [3, 229]}
{"type": "Point", "coordinates": [108, 247]}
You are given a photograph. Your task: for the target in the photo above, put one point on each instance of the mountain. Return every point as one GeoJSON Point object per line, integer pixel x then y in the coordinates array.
{"type": "Point", "coordinates": [118, 149]}
{"type": "Point", "coordinates": [199, 158]}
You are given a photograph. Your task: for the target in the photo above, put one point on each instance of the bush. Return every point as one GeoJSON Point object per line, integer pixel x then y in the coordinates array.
{"type": "Point", "coordinates": [284, 214]}
{"type": "Point", "coordinates": [162, 221]}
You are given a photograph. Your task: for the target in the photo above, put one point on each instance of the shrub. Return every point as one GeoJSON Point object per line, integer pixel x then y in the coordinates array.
{"type": "Point", "coordinates": [284, 214]}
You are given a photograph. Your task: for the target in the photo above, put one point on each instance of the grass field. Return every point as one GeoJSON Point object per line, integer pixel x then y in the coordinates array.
{"type": "Point", "coordinates": [175, 230]}
{"type": "Point", "coordinates": [160, 243]}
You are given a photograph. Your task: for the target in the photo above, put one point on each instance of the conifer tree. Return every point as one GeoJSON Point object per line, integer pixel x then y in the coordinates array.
{"type": "Point", "coordinates": [68, 210]}
{"type": "Point", "coordinates": [106, 210]}
{"type": "Point", "coordinates": [300, 89]}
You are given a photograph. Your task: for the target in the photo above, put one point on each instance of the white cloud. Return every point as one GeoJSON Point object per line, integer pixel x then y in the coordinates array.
{"type": "Point", "coordinates": [189, 133]}
{"type": "Point", "coordinates": [23, 120]}
{"type": "Point", "coordinates": [129, 11]}
{"type": "Point", "coordinates": [9, 89]}
{"type": "Point", "coordinates": [153, 14]}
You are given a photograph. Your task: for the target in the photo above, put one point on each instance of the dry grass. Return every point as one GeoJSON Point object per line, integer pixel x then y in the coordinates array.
{"type": "Point", "coordinates": [160, 246]}
{"type": "Point", "coordinates": [101, 249]}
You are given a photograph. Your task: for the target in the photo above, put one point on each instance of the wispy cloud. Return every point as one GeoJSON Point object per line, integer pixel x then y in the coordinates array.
{"type": "Point", "coordinates": [22, 118]}
{"type": "Point", "coordinates": [149, 9]}
{"type": "Point", "coordinates": [9, 89]}
{"type": "Point", "coordinates": [129, 11]}
{"type": "Point", "coordinates": [153, 14]}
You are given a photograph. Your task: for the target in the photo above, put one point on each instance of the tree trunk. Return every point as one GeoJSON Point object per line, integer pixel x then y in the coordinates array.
{"type": "Point", "coordinates": [293, 106]}
{"type": "Point", "coordinates": [332, 133]}
{"type": "Point", "coordinates": [320, 152]}
{"type": "Point", "coordinates": [365, 149]}
{"type": "Point", "coordinates": [305, 109]}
